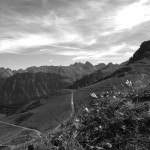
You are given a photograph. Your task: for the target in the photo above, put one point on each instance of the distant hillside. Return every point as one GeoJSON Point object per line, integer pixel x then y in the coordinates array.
{"type": "Point", "coordinates": [87, 80]}
{"type": "Point", "coordinates": [110, 67]}
{"type": "Point", "coordinates": [21, 88]}
{"type": "Point", "coordinates": [72, 72]}
{"type": "Point", "coordinates": [102, 71]}
{"type": "Point", "coordinates": [5, 73]}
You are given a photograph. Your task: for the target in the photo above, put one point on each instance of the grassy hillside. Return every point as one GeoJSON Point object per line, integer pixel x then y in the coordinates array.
{"type": "Point", "coordinates": [117, 119]}
{"type": "Point", "coordinates": [7, 132]}
{"type": "Point", "coordinates": [82, 96]}
{"type": "Point", "coordinates": [46, 116]}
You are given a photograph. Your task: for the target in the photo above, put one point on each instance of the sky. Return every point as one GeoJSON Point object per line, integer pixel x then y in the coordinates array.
{"type": "Point", "coordinates": [62, 32]}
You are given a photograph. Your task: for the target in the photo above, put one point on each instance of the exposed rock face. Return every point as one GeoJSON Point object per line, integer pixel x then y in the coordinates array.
{"type": "Point", "coordinates": [102, 70]}
{"type": "Point", "coordinates": [5, 73]}
{"type": "Point", "coordinates": [22, 88]}
{"type": "Point", "coordinates": [109, 68]}
{"type": "Point", "coordinates": [87, 80]}
{"type": "Point", "coordinates": [19, 71]}
{"type": "Point", "coordinates": [100, 65]}
{"type": "Point", "coordinates": [142, 52]}
{"type": "Point", "coordinates": [72, 72]}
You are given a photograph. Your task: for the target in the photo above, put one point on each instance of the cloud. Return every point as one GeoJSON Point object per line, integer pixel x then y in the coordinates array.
{"type": "Point", "coordinates": [42, 50]}
{"type": "Point", "coordinates": [18, 45]}
{"type": "Point", "coordinates": [132, 15]}
{"type": "Point", "coordinates": [81, 58]}
{"type": "Point", "coordinates": [94, 55]}
{"type": "Point", "coordinates": [77, 53]}
{"type": "Point", "coordinates": [74, 29]}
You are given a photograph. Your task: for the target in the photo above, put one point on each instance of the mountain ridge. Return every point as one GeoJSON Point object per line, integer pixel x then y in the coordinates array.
{"type": "Point", "coordinates": [22, 86]}
{"type": "Point", "coordinates": [34, 69]}
{"type": "Point", "coordinates": [141, 53]}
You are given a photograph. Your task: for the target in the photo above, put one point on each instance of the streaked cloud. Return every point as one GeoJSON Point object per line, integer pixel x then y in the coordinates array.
{"type": "Point", "coordinates": [73, 30]}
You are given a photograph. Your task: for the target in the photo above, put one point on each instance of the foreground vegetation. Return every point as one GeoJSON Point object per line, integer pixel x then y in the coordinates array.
{"type": "Point", "coordinates": [116, 120]}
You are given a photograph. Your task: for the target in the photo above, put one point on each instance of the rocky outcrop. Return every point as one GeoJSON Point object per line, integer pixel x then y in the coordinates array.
{"type": "Point", "coordinates": [5, 73]}
{"type": "Point", "coordinates": [87, 80]}
{"type": "Point", "coordinates": [141, 53]}
{"type": "Point", "coordinates": [72, 72]}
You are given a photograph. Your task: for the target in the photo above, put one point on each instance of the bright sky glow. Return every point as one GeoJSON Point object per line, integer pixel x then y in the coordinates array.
{"type": "Point", "coordinates": [133, 15]}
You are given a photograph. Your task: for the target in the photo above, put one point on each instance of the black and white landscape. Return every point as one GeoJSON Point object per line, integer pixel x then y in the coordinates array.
{"type": "Point", "coordinates": [74, 75]}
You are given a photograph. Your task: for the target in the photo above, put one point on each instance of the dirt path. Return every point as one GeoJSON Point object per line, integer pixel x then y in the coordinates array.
{"type": "Point", "coordinates": [72, 104]}
{"type": "Point", "coordinates": [25, 128]}
{"type": "Point", "coordinates": [72, 112]}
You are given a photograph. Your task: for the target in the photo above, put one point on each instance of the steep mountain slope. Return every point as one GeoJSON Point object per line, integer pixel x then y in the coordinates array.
{"type": "Point", "coordinates": [137, 69]}
{"type": "Point", "coordinates": [102, 71]}
{"type": "Point", "coordinates": [5, 73]}
{"type": "Point", "coordinates": [87, 80]}
{"type": "Point", "coordinates": [142, 53]}
{"type": "Point", "coordinates": [72, 72]}
{"type": "Point", "coordinates": [109, 68]}
{"type": "Point", "coordinates": [21, 88]}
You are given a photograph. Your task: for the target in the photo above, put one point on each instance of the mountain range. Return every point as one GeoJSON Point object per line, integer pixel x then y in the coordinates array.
{"type": "Point", "coordinates": [22, 86]}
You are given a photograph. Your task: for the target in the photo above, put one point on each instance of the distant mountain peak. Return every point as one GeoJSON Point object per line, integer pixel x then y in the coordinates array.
{"type": "Point", "coordinates": [88, 64]}
{"type": "Point", "coordinates": [142, 52]}
{"type": "Point", "coordinates": [146, 44]}
{"type": "Point", "coordinates": [5, 72]}
{"type": "Point", "coordinates": [77, 64]}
